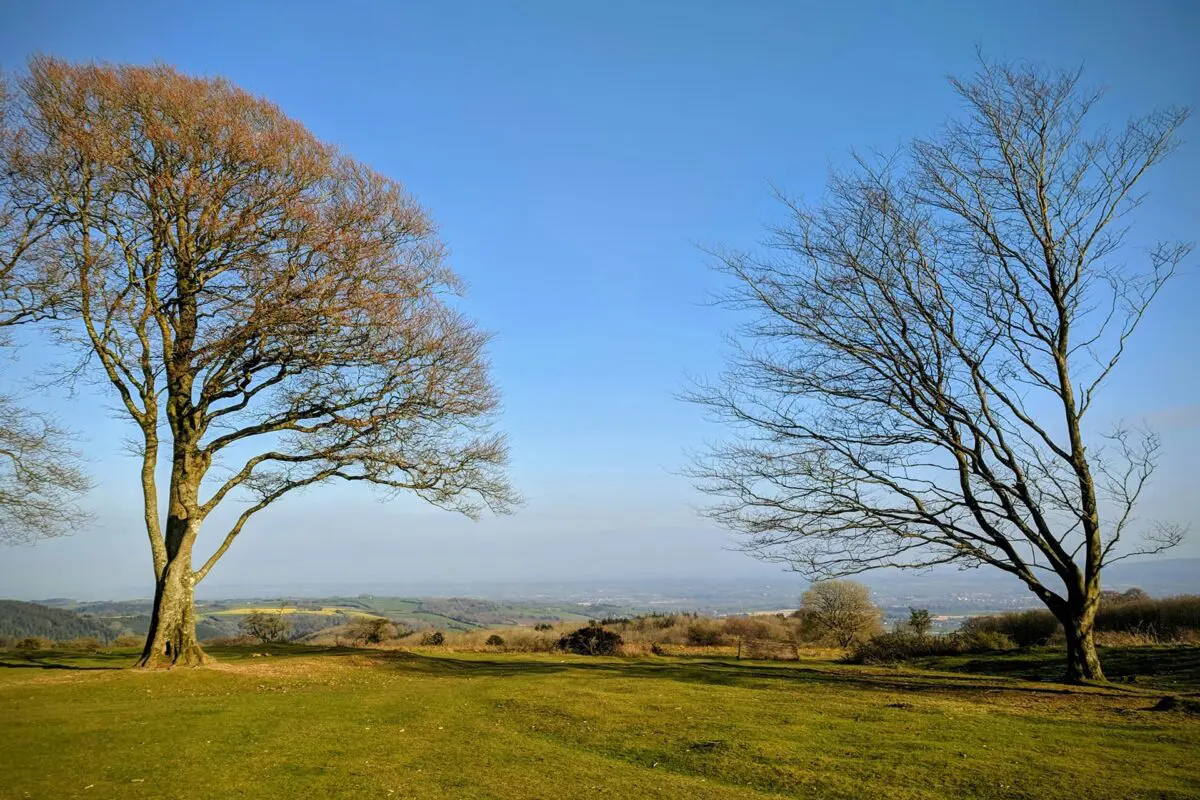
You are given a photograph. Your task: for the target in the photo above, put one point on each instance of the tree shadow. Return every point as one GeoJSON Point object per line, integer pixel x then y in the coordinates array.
{"type": "Point", "coordinates": [741, 674]}
{"type": "Point", "coordinates": [37, 663]}
{"type": "Point", "coordinates": [1176, 667]}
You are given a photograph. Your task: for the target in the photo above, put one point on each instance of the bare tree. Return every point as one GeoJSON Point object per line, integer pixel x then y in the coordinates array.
{"type": "Point", "coordinates": [841, 611]}
{"type": "Point", "coordinates": [923, 348]}
{"type": "Point", "coordinates": [370, 630]}
{"type": "Point", "coordinates": [270, 311]}
{"type": "Point", "coordinates": [40, 476]}
{"type": "Point", "coordinates": [265, 627]}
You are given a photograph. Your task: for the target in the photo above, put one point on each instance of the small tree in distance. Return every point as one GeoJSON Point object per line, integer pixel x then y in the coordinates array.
{"type": "Point", "coordinates": [841, 611]}
{"type": "Point", "coordinates": [265, 627]}
{"type": "Point", "coordinates": [920, 621]}
{"type": "Point", "coordinates": [370, 630]}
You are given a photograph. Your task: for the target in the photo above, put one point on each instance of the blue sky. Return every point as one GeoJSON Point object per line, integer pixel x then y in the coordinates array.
{"type": "Point", "coordinates": [576, 155]}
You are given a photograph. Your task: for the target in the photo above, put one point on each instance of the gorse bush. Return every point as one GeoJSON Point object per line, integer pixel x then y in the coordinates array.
{"type": "Point", "coordinates": [705, 634]}
{"type": "Point", "coordinates": [433, 639]}
{"type": "Point", "coordinates": [495, 640]}
{"type": "Point", "coordinates": [984, 641]}
{"type": "Point", "coordinates": [1025, 628]}
{"type": "Point", "coordinates": [591, 640]}
{"type": "Point", "coordinates": [891, 648]}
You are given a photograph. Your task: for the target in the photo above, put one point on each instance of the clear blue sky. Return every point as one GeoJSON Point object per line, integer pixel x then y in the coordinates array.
{"type": "Point", "coordinates": [575, 155]}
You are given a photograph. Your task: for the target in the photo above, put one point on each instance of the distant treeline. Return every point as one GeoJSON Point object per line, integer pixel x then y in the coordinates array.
{"type": "Point", "coordinates": [19, 620]}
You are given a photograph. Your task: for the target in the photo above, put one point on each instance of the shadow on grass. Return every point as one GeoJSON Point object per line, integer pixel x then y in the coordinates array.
{"type": "Point", "coordinates": [732, 673]}
{"type": "Point", "coordinates": [35, 662]}
{"type": "Point", "coordinates": [1133, 670]}
{"type": "Point", "coordinates": [1175, 667]}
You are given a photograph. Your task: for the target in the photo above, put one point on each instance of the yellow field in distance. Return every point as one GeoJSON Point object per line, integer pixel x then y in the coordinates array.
{"type": "Point", "coordinates": [325, 611]}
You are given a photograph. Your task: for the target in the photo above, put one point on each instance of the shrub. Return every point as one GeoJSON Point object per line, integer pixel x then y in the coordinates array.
{"type": "Point", "coordinates": [240, 640]}
{"type": "Point", "coordinates": [1141, 618]}
{"type": "Point", "coordinates": [128, 640]}
{"type": "Point", "coordinates": [524, 640]}
{"type": "Point", "coordinates": [755, 628]}
{"type": "Point", "coordinates": [433, 639]}
{"type": "Point", "coordinates": [982, 641]}
{"type": "Point", "coordinates": [495, 640]}
{"type": "Point", "coordinates": [1110, 597]}
{"type": "Point", "coordinates": [889, 648]}
{"type": "Point", "coordinates": [542, 626]}
{"type": "Point", "coordinates": [590, 641]}
{"type": "Point", "coordinates": [1167, 619]}
{"type": "Point", "coordinates": [83, 644]}
{"type": "Point", "coordinates": [1025, 628]}
{"type": "Point", "coordinates": [32, 643]}
{"type": "Point", "coordinates": [652, 622]}
{"type": "Point", "coordinates": [704, 635]}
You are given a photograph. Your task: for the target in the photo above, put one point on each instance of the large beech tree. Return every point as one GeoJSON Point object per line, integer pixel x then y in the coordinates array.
{"type": "Point", "coordinates": [270, 313]}
{"type": "Point", "coordinates": [922, 349]}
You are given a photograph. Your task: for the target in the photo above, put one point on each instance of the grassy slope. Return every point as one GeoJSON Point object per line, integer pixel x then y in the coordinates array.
{"type": "Point", "coordinates": [402, 725]}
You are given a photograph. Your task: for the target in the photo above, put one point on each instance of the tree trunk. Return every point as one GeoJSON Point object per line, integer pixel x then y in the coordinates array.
{"type": "Point", "coordinates": [172, 637]}
{"type": "Point", "coordinates": [171, 640]}
{"type": "Point", "coordinates": [1082, 662]}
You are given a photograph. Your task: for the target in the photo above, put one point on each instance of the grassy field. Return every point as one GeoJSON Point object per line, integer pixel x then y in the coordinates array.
{"type": "Point", "coordinates": [360, 723]}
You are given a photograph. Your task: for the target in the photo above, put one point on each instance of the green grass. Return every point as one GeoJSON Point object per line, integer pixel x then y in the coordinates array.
{"type": "Point", "coordinates": [354, 723]}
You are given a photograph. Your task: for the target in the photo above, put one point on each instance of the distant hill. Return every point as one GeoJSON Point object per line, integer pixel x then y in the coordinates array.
{"type": "Point", "coordinates": [19, 619]}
